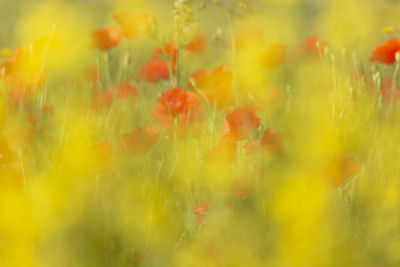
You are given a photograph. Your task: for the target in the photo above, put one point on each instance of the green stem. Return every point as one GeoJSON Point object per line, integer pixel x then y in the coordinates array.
{"type": "Point", "coordinates": [396, 70]}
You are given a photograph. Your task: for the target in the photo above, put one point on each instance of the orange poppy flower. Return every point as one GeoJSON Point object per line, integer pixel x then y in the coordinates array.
{"type": "Point", "coordinates": [241, 122]}
{"type": "Point", "coordinates": [386, 51]}
{"type": "Point", "coordinates": [273, 56]}
{"type": "Point", "coordinates": [154, 70]}
{"type": "Point", "coordinates": [177, 103]}
{"type": "Point", "coordinates": [139, 141]}
{"type": "Point", "coordinates": [201, 210]}
{"type": "Point", "coordinates": [224, 152]}
{"type": "Point", "coordinates": [216, 84]}
{"type": "Point", "coordinates": [197, 45]}
{"type": "Point", "coordinates": [312, 47]}
{"type": "Point", "coordinates": [341, 170]}
{"type": "Point", "coordinates": [107, 37]}
{"type": "Point", "coordinates": [125, 89]}
{"type": "Point", "coordinates": [134, 25]}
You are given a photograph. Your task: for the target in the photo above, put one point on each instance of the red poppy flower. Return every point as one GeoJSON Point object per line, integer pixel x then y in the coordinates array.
{"type": "Point", "coordinates": [154, 70]}
{"type": "Point", "coordinates": [312, 47]}
{"type": "Point", "coordinates": [135, 25]}
{"type": "Point", "coordinates": [386, 51]}
{"type": "Point", "coordinates": [197, 45]}
{"type": "Point", "coordinates": [201, 210]}
{"type": "Point", "coordinates": [224, 152]}
{"type": "Point", "coordinates": [107, 37]}
{"type": "Point", "coordinates": [341, 170]}
{"type": "Point", "coordinates": [274, 56]}
{"type": "Point", "coordinates": [175, 100]}
{"type": "Point", "coordinates": [216, 84]}
{"type": "Point", "coordinates": [241, 122]}
{"type": "Point", "coordinates": [125, 89]}
{"type": "Point", "coordinates": [139, 141]}
{"type": "Point", "coordinates": [177, 103]}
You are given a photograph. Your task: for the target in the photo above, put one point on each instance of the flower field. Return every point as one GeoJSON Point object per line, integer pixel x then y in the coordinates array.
{"type": "Point", "coordinates": [197, 133]}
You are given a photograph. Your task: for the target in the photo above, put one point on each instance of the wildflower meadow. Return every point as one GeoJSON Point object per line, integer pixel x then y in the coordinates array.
{"type": "Point", "coordinates": [200, 133]}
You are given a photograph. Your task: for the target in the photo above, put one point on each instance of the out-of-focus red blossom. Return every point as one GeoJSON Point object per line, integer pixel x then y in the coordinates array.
{"type": "Point", "coordinates": [241, 122]}
{"type": "Point", "coordinates": [216, 84]}
{"type": "Point", "coordinates": [312, 47]}
{"type": "Point", "coordinates": [105, 97]}
{"type": "Point", "coordinates": [386, 91]}
{"type": "Point", "coordinates": [201, 210]}
{"type": "Point", "coordinates": [271, 141]}
{"type": "Point", "coordinates": [224, 152]}
{"type": "Point", "coordinates": [197, 45]}
{"type": "Point", "coordinates": [125, 90]}
{"type": "Point", "coordinates": [139, 141]}
{"type": "Point", "coordinates": [154, 70]}
{"type": "Point", "coordinates": [386, 51]}
{"type": "Point", "coordinates": [107, 37]}
{"type": "Point", "coordinates": [177, 103]}
{"type": "Point", "coordinates": [134, 25]}
{"type": "Point", "coordinates": [143, 256]}
{"type": "Point", "coordinates": [274, 56]}
{"type": "Point", "coordinates": [342, 169]}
